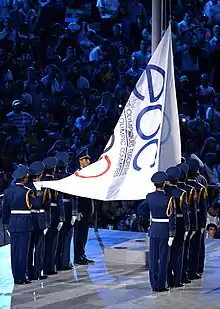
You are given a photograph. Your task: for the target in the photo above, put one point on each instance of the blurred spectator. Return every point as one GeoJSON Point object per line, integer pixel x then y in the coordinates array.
{"type": "Point", "coordinates": [18, 118]}
{"type": "Point", "coordinates": [211, 230]}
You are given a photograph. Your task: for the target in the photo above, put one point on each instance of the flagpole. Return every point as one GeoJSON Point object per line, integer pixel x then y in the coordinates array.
{"type": "Point", "coordinates": [156, 23]}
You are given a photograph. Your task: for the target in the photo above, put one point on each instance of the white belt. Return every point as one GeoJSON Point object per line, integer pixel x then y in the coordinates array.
{"type": "Point", "coordinates": [37, 211]}
{"type": "Point", "coordinates": [179, 215]}
{"type": "Point", "coordinates": [20, 212]}
{"type": "Point", "coordinates": [160, 220]}
{"type": "Point", "coordinates": [66, 200]}
{"type": "Point", "coordinates": [53, 204]}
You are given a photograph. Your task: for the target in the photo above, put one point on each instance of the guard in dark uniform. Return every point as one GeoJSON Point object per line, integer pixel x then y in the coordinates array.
{"type": "Point", "coordinates": [162, 231]}
{"type": "Point", "coordinates": [198, 238]}
{"type": "Point", "coordinates": [193, 216]}
{"type": "Point", "coordinates": [57, 217]}
{"type": "Point", "coordinates": [81, 226]}
{"type": "Point", "coordinates": [40, 224]}
{"type": "Point", "coordinates": [182, 227]}
{"type": "Point", "coordinates": [70, 208]}
{"type": "Point", "coordinates": [201, 179]}
{"type": "Point", "coordinates": [17, 220]}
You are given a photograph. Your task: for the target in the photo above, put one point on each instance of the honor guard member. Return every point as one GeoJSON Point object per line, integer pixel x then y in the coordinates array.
{"type": "Point", "coordinates": [40, 225]}
{"type": "Point", "coordinates": [17, 220]}
{"type": "Point", "coordinates": [81, 226]}
{"type": "Point", "coordinates": [56, 219]}
{"type": "Point", "coordinates": [70, 208]}
{"type": "Point", "coordinates": [182, 227]}
{"type": "Point", "coordinates": [162, 231]}
{"type": "Point", "coordinates": [197, 239]}
{"type": "Point", "coordinates": [193, 217]}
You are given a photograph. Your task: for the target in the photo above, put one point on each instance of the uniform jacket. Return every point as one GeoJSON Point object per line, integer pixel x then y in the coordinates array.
{"type": "Point", "coordinates": [161, 206]}
{"type": "Point", "coordinates": [17, 199]}
{"type": "Point", "coordinates": [201, 202]}
{"type": "Point", "coordinates": [192, 204]}
{"type": "Point", "coordinates": [56, 213]}
{"type": "Point", "coordinates": [182, 211]}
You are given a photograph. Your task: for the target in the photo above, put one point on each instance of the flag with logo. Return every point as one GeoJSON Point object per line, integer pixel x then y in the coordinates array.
{"type": "Point", "coordinates": [146, 138]}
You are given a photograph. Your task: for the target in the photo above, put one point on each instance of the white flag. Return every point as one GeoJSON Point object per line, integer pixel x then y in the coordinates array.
{"type": "Point", "coordinates": [146, 138]}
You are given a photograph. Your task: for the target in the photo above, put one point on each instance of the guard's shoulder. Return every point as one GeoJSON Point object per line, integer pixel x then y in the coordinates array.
{"type": "Point", "coordinates": [8, 190]}
{"type": "Point", "coordinates": [167, 196]}
{"type": "Point", "coordinates": [200, 186]}
{"type": "Point", "coordinates": [28, 188]}
{"type": "Point", "coordinates": [189, 187]}
{"type": "Point", "coordinates": [181, 191]}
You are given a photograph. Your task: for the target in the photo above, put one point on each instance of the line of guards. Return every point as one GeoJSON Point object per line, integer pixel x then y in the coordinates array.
{"type": "Point", "coordinates": [177, 242]}
{"type": "Point", "coordinates": [40, 221]}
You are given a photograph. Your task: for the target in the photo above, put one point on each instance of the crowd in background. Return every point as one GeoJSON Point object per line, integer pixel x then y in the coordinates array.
{"type": "Point", "coordinates": [65, 78]}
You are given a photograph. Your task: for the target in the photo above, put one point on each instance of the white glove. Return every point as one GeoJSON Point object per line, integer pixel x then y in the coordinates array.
{"type": "Point", "coordinates": [59, 227]}
{"type": "Point", "coordinates": [202, 230]}
{"type": "Point", "coordinates": [193, 233]}
{"type": "Point", "coordinates": [73, 219]}
{"type": "Point", "coordinates": [185, 235]}
{"type": "Point", "coordinates": [7, 231]}
{"type": "Point", "coordinates": [45, 231]}
{"type": "Point", "coordinates": [170, 241]}
{"type": "Point", "coordinates": [79, 216]}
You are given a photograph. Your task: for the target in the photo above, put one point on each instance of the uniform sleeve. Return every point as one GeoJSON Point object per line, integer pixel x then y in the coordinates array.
{"type": "Point", "coordinates": [172, 217]}
{"type": "Point", "coordinates": [185, 210]}
{"type": "Point", "coordinates": [36, 200]}
{"type": "Point", "coordinates": [74, 203]}
{"type": "Point", "coordinates": [60, 204]}
{"type": "Point", "coordinates": [146, 209]}
{"type": "Point", "coordinates": [6, 211]}
{"type": "Point", "coordinates": [202, 207]}
{"type": "Point", "coordinates": [193, 213]}
{"type": "Point", "coordinates": [46, 206]}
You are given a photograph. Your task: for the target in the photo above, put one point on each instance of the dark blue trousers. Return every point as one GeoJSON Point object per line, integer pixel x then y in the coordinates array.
{"type": "Point", "coordinates": [158, 262]}
{"type": "Point", "coordinates": [200, 269]}
{"type": "Point", "coordinates": [175, 264]}
{"type": "Point", "coordinates": [19, 254]}
{"type": "Point", "coordinates": [63, 249]}
{"type": "Point", "coordinates": [185, 259]}
{"type": "Point", "coordinates": [194, 250]}
{"type": "Point", "coordinates": [51, 242]}
{"type": "Point", "coordinates": [36, 253]}
{"type": "Point", "coordinates": [81, 229]}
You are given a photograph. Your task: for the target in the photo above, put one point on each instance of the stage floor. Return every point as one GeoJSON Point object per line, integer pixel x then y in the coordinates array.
{"type": "Point", "coordinates": [111, 286]}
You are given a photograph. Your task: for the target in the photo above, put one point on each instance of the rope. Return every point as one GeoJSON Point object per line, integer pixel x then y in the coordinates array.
{"type": "Point", "coordinates": [165, 15]}
{"type": "Point", "coordinates": [27, 199]}
{"type": "Point", "coordinates": [162, 15]}
{"type": "Point", "coordinates": [169, 207]}
{"type": "Point", "coordinates": [170, 9]}
{"type": "Point", "coordinates": [181, 200]}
